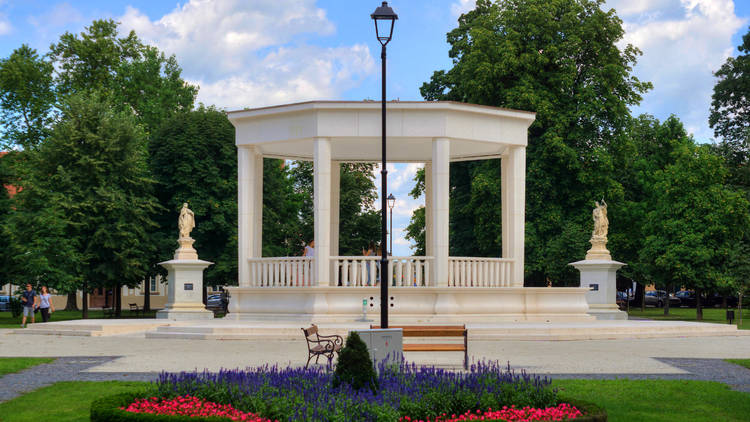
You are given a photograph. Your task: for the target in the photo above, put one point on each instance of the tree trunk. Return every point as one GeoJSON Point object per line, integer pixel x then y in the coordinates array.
{"type": "Point", "coordinates": [205, 294]}
{"type": "Point", "coordinates": [640, 295]}
{"type": "Point", "coordinates": [117, 300]}
{"type": "Point", "coordinates": [666, 301]}
{"type": "Point", "coordinates": [698, 305]}
{"type": "Point", "coordinates": [147, 296]}
{"type": "Point", "coordinates": [85, 301]}
{"type": "Point", "coordinates": [724, 302]}
{"type": "Point", "coordinates": [739, 309]}
{"type": "Point", "coordinates": [72, 303]}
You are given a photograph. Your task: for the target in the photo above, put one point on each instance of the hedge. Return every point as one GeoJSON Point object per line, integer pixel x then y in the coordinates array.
{"type": "Point", "coordinates": [107, 409]}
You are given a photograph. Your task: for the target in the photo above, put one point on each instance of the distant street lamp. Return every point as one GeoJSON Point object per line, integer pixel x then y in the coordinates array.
{"type": "Point", "coordinates": [384, 18]}
{"type": "Point", "coordinates": [391, 204]}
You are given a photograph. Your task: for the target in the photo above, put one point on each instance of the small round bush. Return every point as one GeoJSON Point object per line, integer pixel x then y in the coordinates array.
{"type": "Point", "coordinates": [354, 365]}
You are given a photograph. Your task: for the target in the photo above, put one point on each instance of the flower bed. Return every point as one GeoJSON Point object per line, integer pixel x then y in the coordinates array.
{"type": "Point", "coordinates": [561, 412]}
{"type": "Point", "coordinates": [190, 406]}
{"type": "Point", "coordinates": [405, 393]}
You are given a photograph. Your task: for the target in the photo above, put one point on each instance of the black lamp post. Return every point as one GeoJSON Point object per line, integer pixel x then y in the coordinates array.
{"type": "Point", "coordinates": [384, 18]}
{"type": "Point", "coordinates": [391, 204]}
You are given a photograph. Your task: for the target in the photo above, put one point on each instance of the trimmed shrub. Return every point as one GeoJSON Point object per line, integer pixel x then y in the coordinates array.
{"type": "Point", "coordinates": [354, 366]}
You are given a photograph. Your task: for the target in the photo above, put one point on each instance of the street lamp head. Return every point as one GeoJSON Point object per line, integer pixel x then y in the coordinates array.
{"type": "Point", "coordinates": [391, 201]}
{"type": "Point", "coordinates": [384, 18]}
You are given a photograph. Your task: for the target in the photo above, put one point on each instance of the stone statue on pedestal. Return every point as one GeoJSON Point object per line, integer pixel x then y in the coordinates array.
{"type": "Point", "coordinates": [599, 271]}
{"type": "Point", "coordinates": [186, 223]}
{"type": "Point", "coordinates": [185, 278]}
{"type": "Point", "coordinates": [599, 235]}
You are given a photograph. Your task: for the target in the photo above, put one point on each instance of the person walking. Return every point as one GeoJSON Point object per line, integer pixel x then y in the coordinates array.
{"type": "Point", "coordinates": [30, 301]}
{"type": "Point", "coordinates": [45, 304]}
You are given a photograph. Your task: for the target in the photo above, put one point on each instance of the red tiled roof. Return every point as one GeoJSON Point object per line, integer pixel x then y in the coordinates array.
{"type": "Point", "coordinates": [12, 190]}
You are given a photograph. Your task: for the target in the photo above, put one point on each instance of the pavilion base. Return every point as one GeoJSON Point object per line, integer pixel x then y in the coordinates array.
{"type": "Point", "coordinates": [411, 305]}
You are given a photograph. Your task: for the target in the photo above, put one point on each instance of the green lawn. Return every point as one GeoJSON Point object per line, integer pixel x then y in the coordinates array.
{"type": "Point", "coordinates": [11, 365]}
{"type": "Point", "coordinates": [661, 400]}
{"type": "Point", "coordinates": [741, 362]}
{"type": "Point", "coordinates": [624, 400]}
{"type": "Point", "coordinates": [688, 314]}
{"type": "Point", "coordinates": [6, 321]}
{"type": "Point", "coordinates": [63, 401]}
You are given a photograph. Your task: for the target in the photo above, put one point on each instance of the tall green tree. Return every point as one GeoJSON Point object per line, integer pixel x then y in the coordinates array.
{"type": "Point", "coordinates": [194, 160]}
{"type": "Point", "coordinates": [359, 221]}
{"type": "Point", "coordinates": [27, 99]}
{"type": "Point", "coordinates": [282, 227]}
{"type": "Point", "coordinates": [136, 76]}
{"type": "Point", "coordinates": [695, 222]}
{"type": "Point", "coordinates": [643, 149]}
{"type": "Point", "coordinates": [89, 192]}
{"type": "Point", "coordinates": [730, 105]}
{"type": "Point", "coordinates": [559, 58]}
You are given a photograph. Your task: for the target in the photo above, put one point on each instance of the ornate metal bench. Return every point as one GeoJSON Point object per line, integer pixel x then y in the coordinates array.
{"type": "Point", "coordinates": [318, 345]}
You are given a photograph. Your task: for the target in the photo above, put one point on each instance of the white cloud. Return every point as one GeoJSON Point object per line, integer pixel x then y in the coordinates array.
{"type": "Point", "coordinates": [5, 26]}
{"type": "Point", "coordinates": [683, 42]}
{"type": "Point", "coordinates": [462, 6]}
{"type": "Point", "coordinates": [248, 54]}
{"type": "Point", "coordinates": [58, 16]}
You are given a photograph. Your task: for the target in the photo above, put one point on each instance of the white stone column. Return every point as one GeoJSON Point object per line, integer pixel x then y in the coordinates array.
{"type": "Point", "coordinates": [513, 185]}
{"type": "Point", "coordinates": [440, 209]}
{"type": "Point", "coordinates": [248, 186]}
{"type": "Point", "coordinates": [258, 205]}
{"type": "Point", "coordinates": [322, 208]}
{"type": "Point", "coordinates": [335, 205]}
{"type": "Point", "coordinates": [428, 226]}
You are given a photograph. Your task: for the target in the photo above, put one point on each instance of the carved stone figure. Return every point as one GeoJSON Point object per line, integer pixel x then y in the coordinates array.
{"type": "Point", "coordinates": [598, 239]}
{"type": "Point", "coordinates": [601, 223]}
{"type": "Point", "coordinates": [186, 221]}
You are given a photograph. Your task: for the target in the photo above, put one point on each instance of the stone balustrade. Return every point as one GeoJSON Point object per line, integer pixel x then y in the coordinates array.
{"type": "Point", "coordinates": [465, 271]}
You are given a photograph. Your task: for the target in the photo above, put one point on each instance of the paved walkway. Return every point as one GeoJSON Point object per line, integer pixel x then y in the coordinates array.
{"type": "Point", "coordinates": [133, 357]}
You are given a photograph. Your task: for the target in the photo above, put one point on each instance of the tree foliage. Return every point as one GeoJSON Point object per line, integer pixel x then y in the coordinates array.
{"type": "Point", "coordinates": [193, 160]}
{"type": "Point", "coordinates": [696, 222]}
{"type": "Point", "coordinates": [27, 98]}
{"type": "Point", "coordinates": [359, 222]}
{"type": "Point", "coordinates": [560, 59]}
{"type": "Point", "coordinates": [730, 105]}
{"type": "Point", "coordinates": [133, 75]}
{"type": "Point", "coordinates": [85, 209]}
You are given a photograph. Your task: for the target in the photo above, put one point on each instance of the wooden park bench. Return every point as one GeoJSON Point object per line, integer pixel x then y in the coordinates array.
{"type": "Point", "coordinates": [109, 312]}
{"type": "Point", "coordinates": [318, 345]}
{"type": "Point", "coordinates": [435, 331]}
{"type": "Point", "coordinates": [134, 308]}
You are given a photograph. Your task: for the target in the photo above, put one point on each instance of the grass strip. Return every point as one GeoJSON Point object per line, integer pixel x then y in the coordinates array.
{"type": "Point", "coordinates": [741, 362]}
{"type": "Point", "coordinates": [12, 365]}
{"type": "Point", "coordinates": [713, 315]}
{"type": "Point", "coordinates": [7, 321]}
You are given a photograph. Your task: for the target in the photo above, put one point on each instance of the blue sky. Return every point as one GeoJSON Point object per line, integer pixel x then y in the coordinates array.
{"type": "Point", "coordinates": [260, 52]}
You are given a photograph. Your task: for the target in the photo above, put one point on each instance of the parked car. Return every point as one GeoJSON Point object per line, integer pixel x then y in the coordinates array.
{"type": "Point", "coordinates": [658, 298]}
{"type": "Point", "coordinates": [622, 300]}
{"type": "Point", "coordinates": [687, 299]}
{"type": "Point", "coordinates": [216, 303]}
{"type": "Point", "coordinates": [716, 301]}
{"type": "Point", "coordinates": [4, 303]}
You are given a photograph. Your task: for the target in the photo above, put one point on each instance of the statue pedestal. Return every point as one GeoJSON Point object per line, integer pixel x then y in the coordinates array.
{"type": "Point", "coordinates": [185, 288]}
{"type": "Point", "coordinates": [600, 276]}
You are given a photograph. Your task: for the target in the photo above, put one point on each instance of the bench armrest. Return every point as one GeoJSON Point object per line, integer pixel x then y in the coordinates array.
{"type": "Point", "coordinates": [336, 339]}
